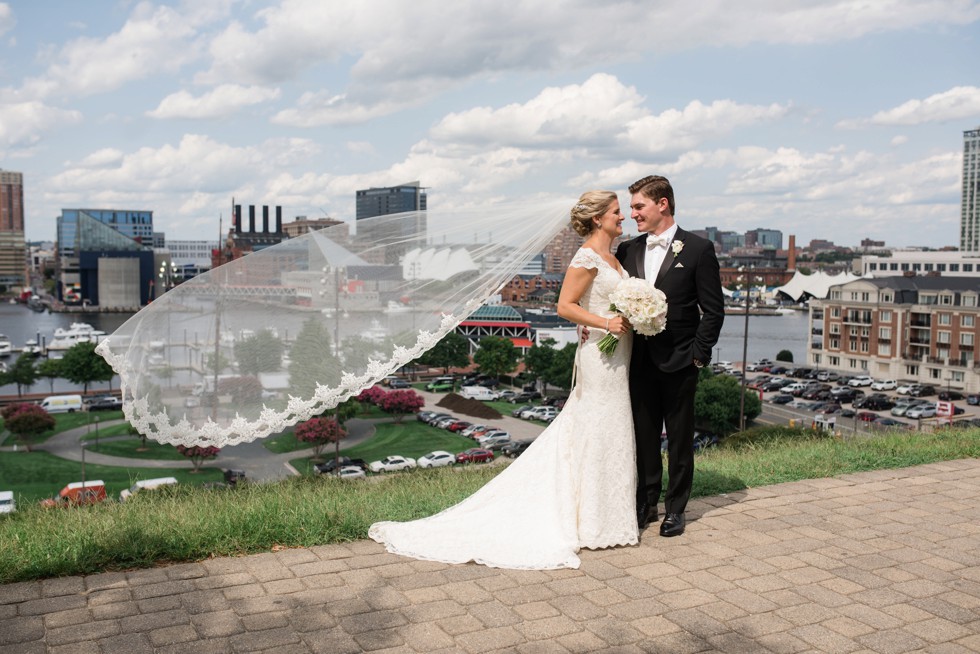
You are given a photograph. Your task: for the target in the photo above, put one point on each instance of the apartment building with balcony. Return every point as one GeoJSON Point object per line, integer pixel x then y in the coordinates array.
{"type": "Point", "coordinates": [920, 329]}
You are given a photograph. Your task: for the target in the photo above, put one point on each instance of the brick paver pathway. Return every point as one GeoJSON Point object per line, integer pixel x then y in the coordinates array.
{"type": "Point", "coordinates": [883, 562]}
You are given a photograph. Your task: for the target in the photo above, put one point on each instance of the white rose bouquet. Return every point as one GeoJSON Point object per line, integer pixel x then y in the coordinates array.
{"type": "Point", "coordinates": [640, 302]}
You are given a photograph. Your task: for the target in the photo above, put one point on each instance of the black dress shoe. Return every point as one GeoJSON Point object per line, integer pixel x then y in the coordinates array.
{"type": "Point", "coordinates": [673, 525]}
{"type": "Point", "coordinates": [645, 514]}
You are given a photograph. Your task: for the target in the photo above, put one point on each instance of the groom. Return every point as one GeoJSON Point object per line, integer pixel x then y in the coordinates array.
{"type": "Point", "coordinates": [664, 368]}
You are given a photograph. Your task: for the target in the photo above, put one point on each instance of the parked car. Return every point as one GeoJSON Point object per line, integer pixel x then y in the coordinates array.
{"type": "Point", "coordinates": [903, 389]}
{"type": "Point", "coordinates": [866, 416]}
{"type": "Point", "coordinates": [514, 449]}
{"type": "Point", "coordinates": [525, 396]}
{"type": "Point", "coordinates": [877, 404]}
{"type": "Point", "coordinates": [884, 385]}
{"type": "Point", "coordinates": [459, 426]}
{"type": "Point", "coordinates": [441, 384]}
{"type": "Point", "coordinates": [103, 403]}
{"type": "Point", "coordinates": [505, 395]}
{"type": "Point", "coordinates": [885, 423]}
{"type": "Point", "coordinates": [922, 391]}
{"type": "Point", "coordinates": [950, 395]}
{"type": "Point", "coordinates": [468, 431]}
{"type": "Point", "coordinates": [516, 413]}
{"type": "Point", "coordinates": [398, 382]}
{"type": "Point", "coordinates": [330, 465]}
{"type": "Point", "coordinates": [557, 401]}
{"type": "Point", "coordinates": [543, 413]}
{"type": "Point", "coordinates": [391, 464]}
{"type": "Point", "coordinates": [827, 376]}
{"type": "Point", "coordinates": [904, 404]}
{"type": "Point", "coordinates": [146, 484]}
{"type": "Point", "coordinates": [78, 493]}
{"type": "Point", "coordinates": [973, 399]}
{"type": "Point", "coordinates": [474, 455]}
{"type": "Point", "coordinates": [782, 398]}
{"type": "Point", "coordinates": [423, 416]}
{"type": "Point", "coordinates": [436, 459]}
{"type": "Point", "coordinates": [922, 411]}
{"type": "Point", "coordinates": [444, 422]}
{"type": "Point", "coordinates": [488, 441]}
{"type": "Point", "coordinates": [846, 394]}
{"type": "Point", "coordinates": [352, 472]}
{"type": "Point", "coordinates": [7, 503]}
{"type": "Point", "coordinates": [436, 417]}
{"type": "Point", "coordinates": [861, 381]}
{"type": "Point", "coordinates": [795, 389]}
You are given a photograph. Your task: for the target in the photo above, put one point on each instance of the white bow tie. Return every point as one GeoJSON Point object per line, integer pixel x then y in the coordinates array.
{"type": "Point", "coordinates": [654, 241]}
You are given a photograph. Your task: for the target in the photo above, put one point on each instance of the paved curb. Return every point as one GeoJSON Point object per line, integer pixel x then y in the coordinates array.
{"type": "Point", "coordinates": [882, 562]}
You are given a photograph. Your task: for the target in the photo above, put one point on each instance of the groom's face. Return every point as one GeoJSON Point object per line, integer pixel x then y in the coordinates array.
{"type": "Point", "coordinates": [648, 214]}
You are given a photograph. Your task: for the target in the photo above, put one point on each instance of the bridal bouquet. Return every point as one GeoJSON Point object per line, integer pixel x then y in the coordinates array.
{"type": "Point", "coordinates": [640, 302]}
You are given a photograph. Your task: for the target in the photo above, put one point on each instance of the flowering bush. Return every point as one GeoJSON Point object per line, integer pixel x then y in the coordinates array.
{"type": "Point", "coordinates": [319, 432]}
{"type": "Point", "coordinates": [25, 420]}
{"type": "Point", "coordinates": [372, 395]}
{"type": "Point", "coordinates": [198, 453]}
{"type": "Point", "coordinates": [400, 402]}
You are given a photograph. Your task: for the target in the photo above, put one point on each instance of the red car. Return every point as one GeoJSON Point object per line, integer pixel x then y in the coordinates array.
{"type": "Point", "coordinates": [474, 455]}
{"type": "Point", "coordinates": [459, 426]}
{"type": "Point", "coordinates": [867, 416]}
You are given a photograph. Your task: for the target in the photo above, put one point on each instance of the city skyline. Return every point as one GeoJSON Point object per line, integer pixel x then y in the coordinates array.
{"type": "Point", "coordinates": [812, 120]}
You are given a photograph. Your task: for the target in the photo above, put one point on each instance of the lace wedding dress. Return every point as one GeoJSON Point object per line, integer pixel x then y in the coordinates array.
{"type": "Point", "coordinates": [574, 487]}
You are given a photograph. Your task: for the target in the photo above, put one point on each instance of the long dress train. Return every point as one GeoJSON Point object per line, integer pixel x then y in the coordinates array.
{"type": "Point", "coordinates": [574, 487]}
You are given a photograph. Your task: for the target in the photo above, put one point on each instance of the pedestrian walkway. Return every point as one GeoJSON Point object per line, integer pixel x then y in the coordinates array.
{"type": "Point", "coordinates": [883, 562]}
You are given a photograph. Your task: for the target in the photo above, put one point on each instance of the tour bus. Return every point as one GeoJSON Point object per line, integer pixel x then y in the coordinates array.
{"type": "Point", "coordinates": [62, 403]}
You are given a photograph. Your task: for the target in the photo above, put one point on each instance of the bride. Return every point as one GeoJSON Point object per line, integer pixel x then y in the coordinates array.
{"type": "Point", "coordinates": [575, 486]}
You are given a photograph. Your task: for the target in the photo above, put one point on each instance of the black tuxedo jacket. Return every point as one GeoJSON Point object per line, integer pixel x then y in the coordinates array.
{"type": "Point", "coordinates": [691, 281]}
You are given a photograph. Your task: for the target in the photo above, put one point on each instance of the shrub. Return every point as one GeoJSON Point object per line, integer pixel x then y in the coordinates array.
{"type": "Point", "coordinates": [318, 432]}
{"type": "Point", "coordinates": [198, 453]}
{"type": "Point", "coordinates": [401, 402]}
{"type": "Point", "coordinates": [372, 395]}
{"type": "Point", "coordinates": [24, 420]}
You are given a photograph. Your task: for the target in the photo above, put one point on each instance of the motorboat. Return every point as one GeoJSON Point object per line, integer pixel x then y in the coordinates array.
{"type": "Point", "coordinates": [31, 347]}
{"type": "Point", "coordinates": [5, 346]}
{"type": "Point", "coordinates": [80, 332]}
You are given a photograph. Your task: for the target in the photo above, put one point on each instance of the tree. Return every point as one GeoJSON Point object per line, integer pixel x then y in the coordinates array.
{"type": "Point", "coordinates": [496, 356]}
{"type": "Point", "coordinates": [453, 350]}
{"type": "Point", "coordinates": [400, 402]}
{"type": "Point", "coordinates": [717, 403]}
{"type": "Point", "coordinates": [81, 365]}
{"type": "Point", "coordinates": [560, 372]}
{"type": "Point", "coordinates": [785, 355]}
{"type": "Point", "coordinates": [24, 420]}
{"type": "Point", "coordinates": [259, 353]}
{"type": "Point", "coordinates": [371, 395]}
{"type": "Point", "coordinates": [211, 357]}
{"type": "Point", "coordinates": [50, 369]}
{"type": "Point", "coordinates": [540, 358]}
{"type": "Point", "coordinates": [198, 453]}
{"type": "Point", "coordinates": [243, 390]}
{"type": "Point", "coordinates": [311, 360]}
{"type": "Point", "coordinates": [357, 351]}
{"type": "Point", "coordinates": [23, 372]}
{"type": "Point", "coordinates": [318, 432]}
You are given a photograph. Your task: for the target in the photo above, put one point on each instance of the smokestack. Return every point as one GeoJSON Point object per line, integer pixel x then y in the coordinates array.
{"type": "Point", "coordinates": [238, 219]}
{"type": "Point", "coordinates": [265, 219]}
{"type": "Point", "coordinates": [791, 258]}
{"type": "Point", "coordinates": [251, 218]}
{"type": "Point", "coordinates": [278, 220]}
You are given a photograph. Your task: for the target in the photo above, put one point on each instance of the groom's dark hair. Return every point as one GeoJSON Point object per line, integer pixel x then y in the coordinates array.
{"type": "Point", "coordinates": [655, 187]}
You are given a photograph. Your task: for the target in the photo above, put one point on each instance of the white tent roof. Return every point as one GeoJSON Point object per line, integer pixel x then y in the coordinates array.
{"type": "Point", "coordinates": [816, 285]}
{"type": "Point", "coordinates": [436, 263]}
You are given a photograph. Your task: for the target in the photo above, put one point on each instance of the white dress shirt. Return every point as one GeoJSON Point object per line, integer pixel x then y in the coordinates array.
{"type": "Point", "coordinates": [654, 256]}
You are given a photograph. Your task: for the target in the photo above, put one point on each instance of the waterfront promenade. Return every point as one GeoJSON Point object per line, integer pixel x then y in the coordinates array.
{"type": "Point", "coordinates": [884, 562]}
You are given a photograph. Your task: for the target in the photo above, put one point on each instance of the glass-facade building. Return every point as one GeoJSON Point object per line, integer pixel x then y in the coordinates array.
{"type": "Point", "coordinates": [970, 200]}
{"type": "Point", "coordinates": [388, 200]}
{"type": "Point", "coordinates": [135, 225]}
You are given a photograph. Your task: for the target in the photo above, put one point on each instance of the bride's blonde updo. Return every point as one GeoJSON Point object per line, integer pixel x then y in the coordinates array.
{"type": "Point", "coordinates": [591, 205]}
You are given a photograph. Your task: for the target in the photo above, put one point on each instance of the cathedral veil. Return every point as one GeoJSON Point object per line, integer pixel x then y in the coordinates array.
{"type": "Point", "coordinates": [290, 331]}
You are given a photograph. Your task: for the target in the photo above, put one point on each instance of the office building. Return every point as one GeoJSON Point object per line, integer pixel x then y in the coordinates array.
{"type": "Point", "coordinates": [383, 241]}
{"type": "Point", "coordinates": [970, 200]}
{"type": "Point", "coordinates": [921, 262]}
{"type": "Point", "coordinates": [387, 200]}
{"type": "Point", "coordinates": [13, 248]}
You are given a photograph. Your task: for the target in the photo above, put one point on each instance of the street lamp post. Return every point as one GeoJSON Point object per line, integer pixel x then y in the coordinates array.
{"type": "Point", "coordinates": [745, 349]}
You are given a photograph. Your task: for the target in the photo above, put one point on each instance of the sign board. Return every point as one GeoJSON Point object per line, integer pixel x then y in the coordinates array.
{"type": "Point", "coordinates": [944, 409]}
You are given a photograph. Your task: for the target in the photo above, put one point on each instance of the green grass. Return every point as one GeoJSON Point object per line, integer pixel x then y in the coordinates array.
{"type": "Point", "coordinates": [36, 475]}
{"type": "Point", "coordinates": [66, 421]}
{"type": "Point", "coordinates": [132, 448]}
{"type": "Point", "coordinates": [305, 511]}
{"type": "Point", "coordinates": [410, 438]}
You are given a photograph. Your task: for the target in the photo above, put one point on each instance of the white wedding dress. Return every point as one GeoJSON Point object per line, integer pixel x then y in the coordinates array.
{"type": "Point", "coordinates": [574, 487]}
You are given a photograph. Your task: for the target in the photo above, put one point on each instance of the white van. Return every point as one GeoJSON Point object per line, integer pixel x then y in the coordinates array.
{"type": "Point", "coordinates": [7, 504]}
{"type": "Point", "coordinates": [146, 484]}
{"type": "Point", "coordinates": [477, 393]}
{"type": "Point", "coordinates": [62, 403]}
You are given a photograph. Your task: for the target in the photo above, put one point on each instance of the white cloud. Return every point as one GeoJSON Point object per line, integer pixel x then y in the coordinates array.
{"type": "Point", "coordinates": [24, 123]}
{"type": "Point", "coordinates": [154, 39]}
{"type": "Point", "coordinates": [438, 45]}
{"type": "Point", "coordinates": [220, 102]}
{"type": "Point", "coordinates": [196, 164]}
{"type": "Point", "coordinates": [900, 139]}
{"type": "Point", "coordinates": [958, 103]}
{"type": "Point", "coordinates": [7, 20]}
{"type": "Point", "coordinates": [102, 158]}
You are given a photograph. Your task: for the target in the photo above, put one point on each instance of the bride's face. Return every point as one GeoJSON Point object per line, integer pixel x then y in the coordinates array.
{"type": "Point", "coordinates": [611, 222]}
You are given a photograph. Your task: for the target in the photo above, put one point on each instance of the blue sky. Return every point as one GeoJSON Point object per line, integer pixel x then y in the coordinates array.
{"type": "Point", "coordinates": [839, 120]}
